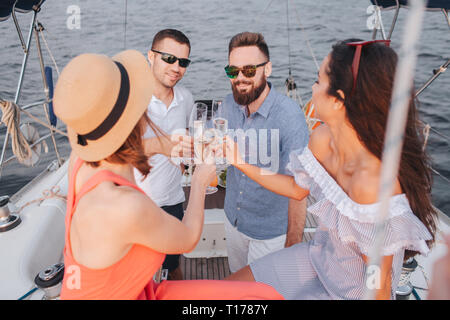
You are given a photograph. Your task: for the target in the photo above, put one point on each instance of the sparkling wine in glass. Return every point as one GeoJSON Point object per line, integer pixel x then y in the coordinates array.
{"type": "Point", "coordinates": [221, 128]}
{"type": "Point", "coordinates": [201, 129]}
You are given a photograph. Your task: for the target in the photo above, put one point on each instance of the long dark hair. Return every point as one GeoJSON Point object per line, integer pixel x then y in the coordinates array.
{"type": "Point", "coordinates": [367, 108]}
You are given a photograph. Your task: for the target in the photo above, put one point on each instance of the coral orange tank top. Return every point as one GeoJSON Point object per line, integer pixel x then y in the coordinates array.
{"type": "Point", "coordinates": [127, 278]}
{"type": "Point", "coordinates": [131, 277]}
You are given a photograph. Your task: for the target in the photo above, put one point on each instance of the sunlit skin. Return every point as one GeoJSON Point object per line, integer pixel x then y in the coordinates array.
{"type": "Point", "coordinates": [167, 75]}
{"type": "Point", "coordinates": [336, 146]}
{"type": "Point", "coordinates": [110, 218]}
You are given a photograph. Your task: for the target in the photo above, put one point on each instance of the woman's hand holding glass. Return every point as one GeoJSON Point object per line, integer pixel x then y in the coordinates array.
{"type": "Point", "coordinates": [231, 151]}
{"type": "Point", "coordinates": [201, 129]}
{"type": "Point", "coordinates": [205, 172]}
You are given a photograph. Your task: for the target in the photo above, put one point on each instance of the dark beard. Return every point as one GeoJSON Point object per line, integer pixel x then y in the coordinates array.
{"type": "Point", "coordinates": [244, 99]}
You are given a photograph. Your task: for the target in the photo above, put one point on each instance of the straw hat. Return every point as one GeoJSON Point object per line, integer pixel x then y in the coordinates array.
{"type": "Point", "coordinates": [101, 100]}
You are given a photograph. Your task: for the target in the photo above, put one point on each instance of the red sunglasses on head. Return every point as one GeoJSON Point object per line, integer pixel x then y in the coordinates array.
{"type": "Point", "coordinates": [357, 56]}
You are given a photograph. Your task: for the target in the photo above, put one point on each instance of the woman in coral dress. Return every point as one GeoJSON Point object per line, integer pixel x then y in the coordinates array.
{"type": "Point", "coordinates": [116, 236]}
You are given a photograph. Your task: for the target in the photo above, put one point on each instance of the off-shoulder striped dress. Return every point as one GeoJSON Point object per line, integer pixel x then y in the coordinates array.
{"type": "Point", "coordinates": [330, 266]}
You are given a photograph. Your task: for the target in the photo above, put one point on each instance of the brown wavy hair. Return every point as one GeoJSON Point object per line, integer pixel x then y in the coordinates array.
{"type": "Point", "coordinates": [367, 108]}
{"type": "Point", "coordinates": [248, 39]}
{"type": "Point", "coordinates": [132, 150]}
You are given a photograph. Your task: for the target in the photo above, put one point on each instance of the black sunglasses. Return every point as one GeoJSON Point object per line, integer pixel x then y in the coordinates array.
{"type": "Point", "coordinates": [171, 59]}
{"type": "Point", "coordinates": [248, 71]}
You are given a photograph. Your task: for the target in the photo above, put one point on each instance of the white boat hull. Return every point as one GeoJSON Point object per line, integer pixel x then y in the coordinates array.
{"type": "Point", "coordinates": [38, 241]}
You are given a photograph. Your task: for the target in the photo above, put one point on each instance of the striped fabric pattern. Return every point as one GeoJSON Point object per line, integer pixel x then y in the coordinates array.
{"type": "Point", "coordinates": [331, 266]}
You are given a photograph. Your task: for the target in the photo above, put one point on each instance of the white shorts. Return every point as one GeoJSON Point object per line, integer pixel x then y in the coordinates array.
{"type": "Point", "coordinates": [243, 250]}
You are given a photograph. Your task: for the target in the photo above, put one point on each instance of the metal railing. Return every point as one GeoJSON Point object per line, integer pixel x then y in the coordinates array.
{"type": "Point", "coordinates": [35, 29]}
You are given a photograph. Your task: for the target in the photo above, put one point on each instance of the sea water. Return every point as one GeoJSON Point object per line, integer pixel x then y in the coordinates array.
{"type": "Point", "coordinates": [73, 27]}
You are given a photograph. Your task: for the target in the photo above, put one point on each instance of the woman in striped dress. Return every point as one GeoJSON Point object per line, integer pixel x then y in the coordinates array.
{"type": "Point", "coordinates": [340, 169]}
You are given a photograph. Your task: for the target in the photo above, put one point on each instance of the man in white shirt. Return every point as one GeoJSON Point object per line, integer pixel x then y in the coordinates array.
{"type": "Point", "coordinates": [170, 109]}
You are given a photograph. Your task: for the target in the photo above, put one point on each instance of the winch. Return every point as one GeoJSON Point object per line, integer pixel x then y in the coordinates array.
{"type": "Point", "coordinates": [8, 220]}
{"type": "Point", "coordinates": [50, 281]}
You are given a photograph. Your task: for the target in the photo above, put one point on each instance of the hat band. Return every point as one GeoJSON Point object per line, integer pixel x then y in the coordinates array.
{"type": "Point", "coordinates": [115, 113]}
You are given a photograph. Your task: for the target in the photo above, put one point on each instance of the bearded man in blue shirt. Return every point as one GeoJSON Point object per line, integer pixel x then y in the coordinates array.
{"type": "Point", "coordinates": [268, 126]}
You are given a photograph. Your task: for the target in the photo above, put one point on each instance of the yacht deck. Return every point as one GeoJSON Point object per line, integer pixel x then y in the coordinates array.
{"type": "Point", "coordinates": [217, 268]}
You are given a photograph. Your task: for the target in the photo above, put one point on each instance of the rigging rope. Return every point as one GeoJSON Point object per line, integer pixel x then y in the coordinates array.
{"type": "Point", "coordinates": [11, 118]}
{"type": "Point", "coordinates": [50, 52]}
{"type": "Point", "coordinates": [256, 20]}
{"type": "Point", "coordinates": [436, 172]}
{"type": "Point", "coordinates": [426, 133]}
{"type": "Point", "coordinates": [440, 134]}
{"type": "Point", "coordinates": [53, 192]}
{"type": "Point", "coordinates": [306, 38]}
{"type": "Point", "coordinates": [288, 37]}
{"type": "Point", "coordinates": [125, 26]}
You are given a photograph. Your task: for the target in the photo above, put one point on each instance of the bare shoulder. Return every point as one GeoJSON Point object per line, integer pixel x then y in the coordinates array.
{"type": "Point", "coordinates": [365, 184]}
{"type": "Point", "coordinates": [121, 207]}
{"type": "Point", "coordinates": [364, 187]}
{"type": "Point", "coordinates": [72, 159]}
{"type": "Point", "coordinates": [129, 204]}
{"type": "Point", "coordinates": [319, 141]}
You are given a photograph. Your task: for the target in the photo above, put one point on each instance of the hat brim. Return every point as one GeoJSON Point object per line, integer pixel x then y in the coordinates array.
{"type": "Point", "coordinates": [141, 90]}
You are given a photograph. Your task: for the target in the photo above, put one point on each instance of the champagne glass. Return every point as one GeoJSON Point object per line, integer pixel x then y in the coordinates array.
{"type": "Point", "coordinates": [196, 117]}
{"type": "Point", "coordinates": [201, 128]}
{"type": "Point", "coordinates": [219, 118]}
{"type": "Point", "coordinates": [221, 129]}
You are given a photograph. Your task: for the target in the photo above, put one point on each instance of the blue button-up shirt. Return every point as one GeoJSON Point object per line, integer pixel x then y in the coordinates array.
{"type": "Point", "coordinates": [269, 135]}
